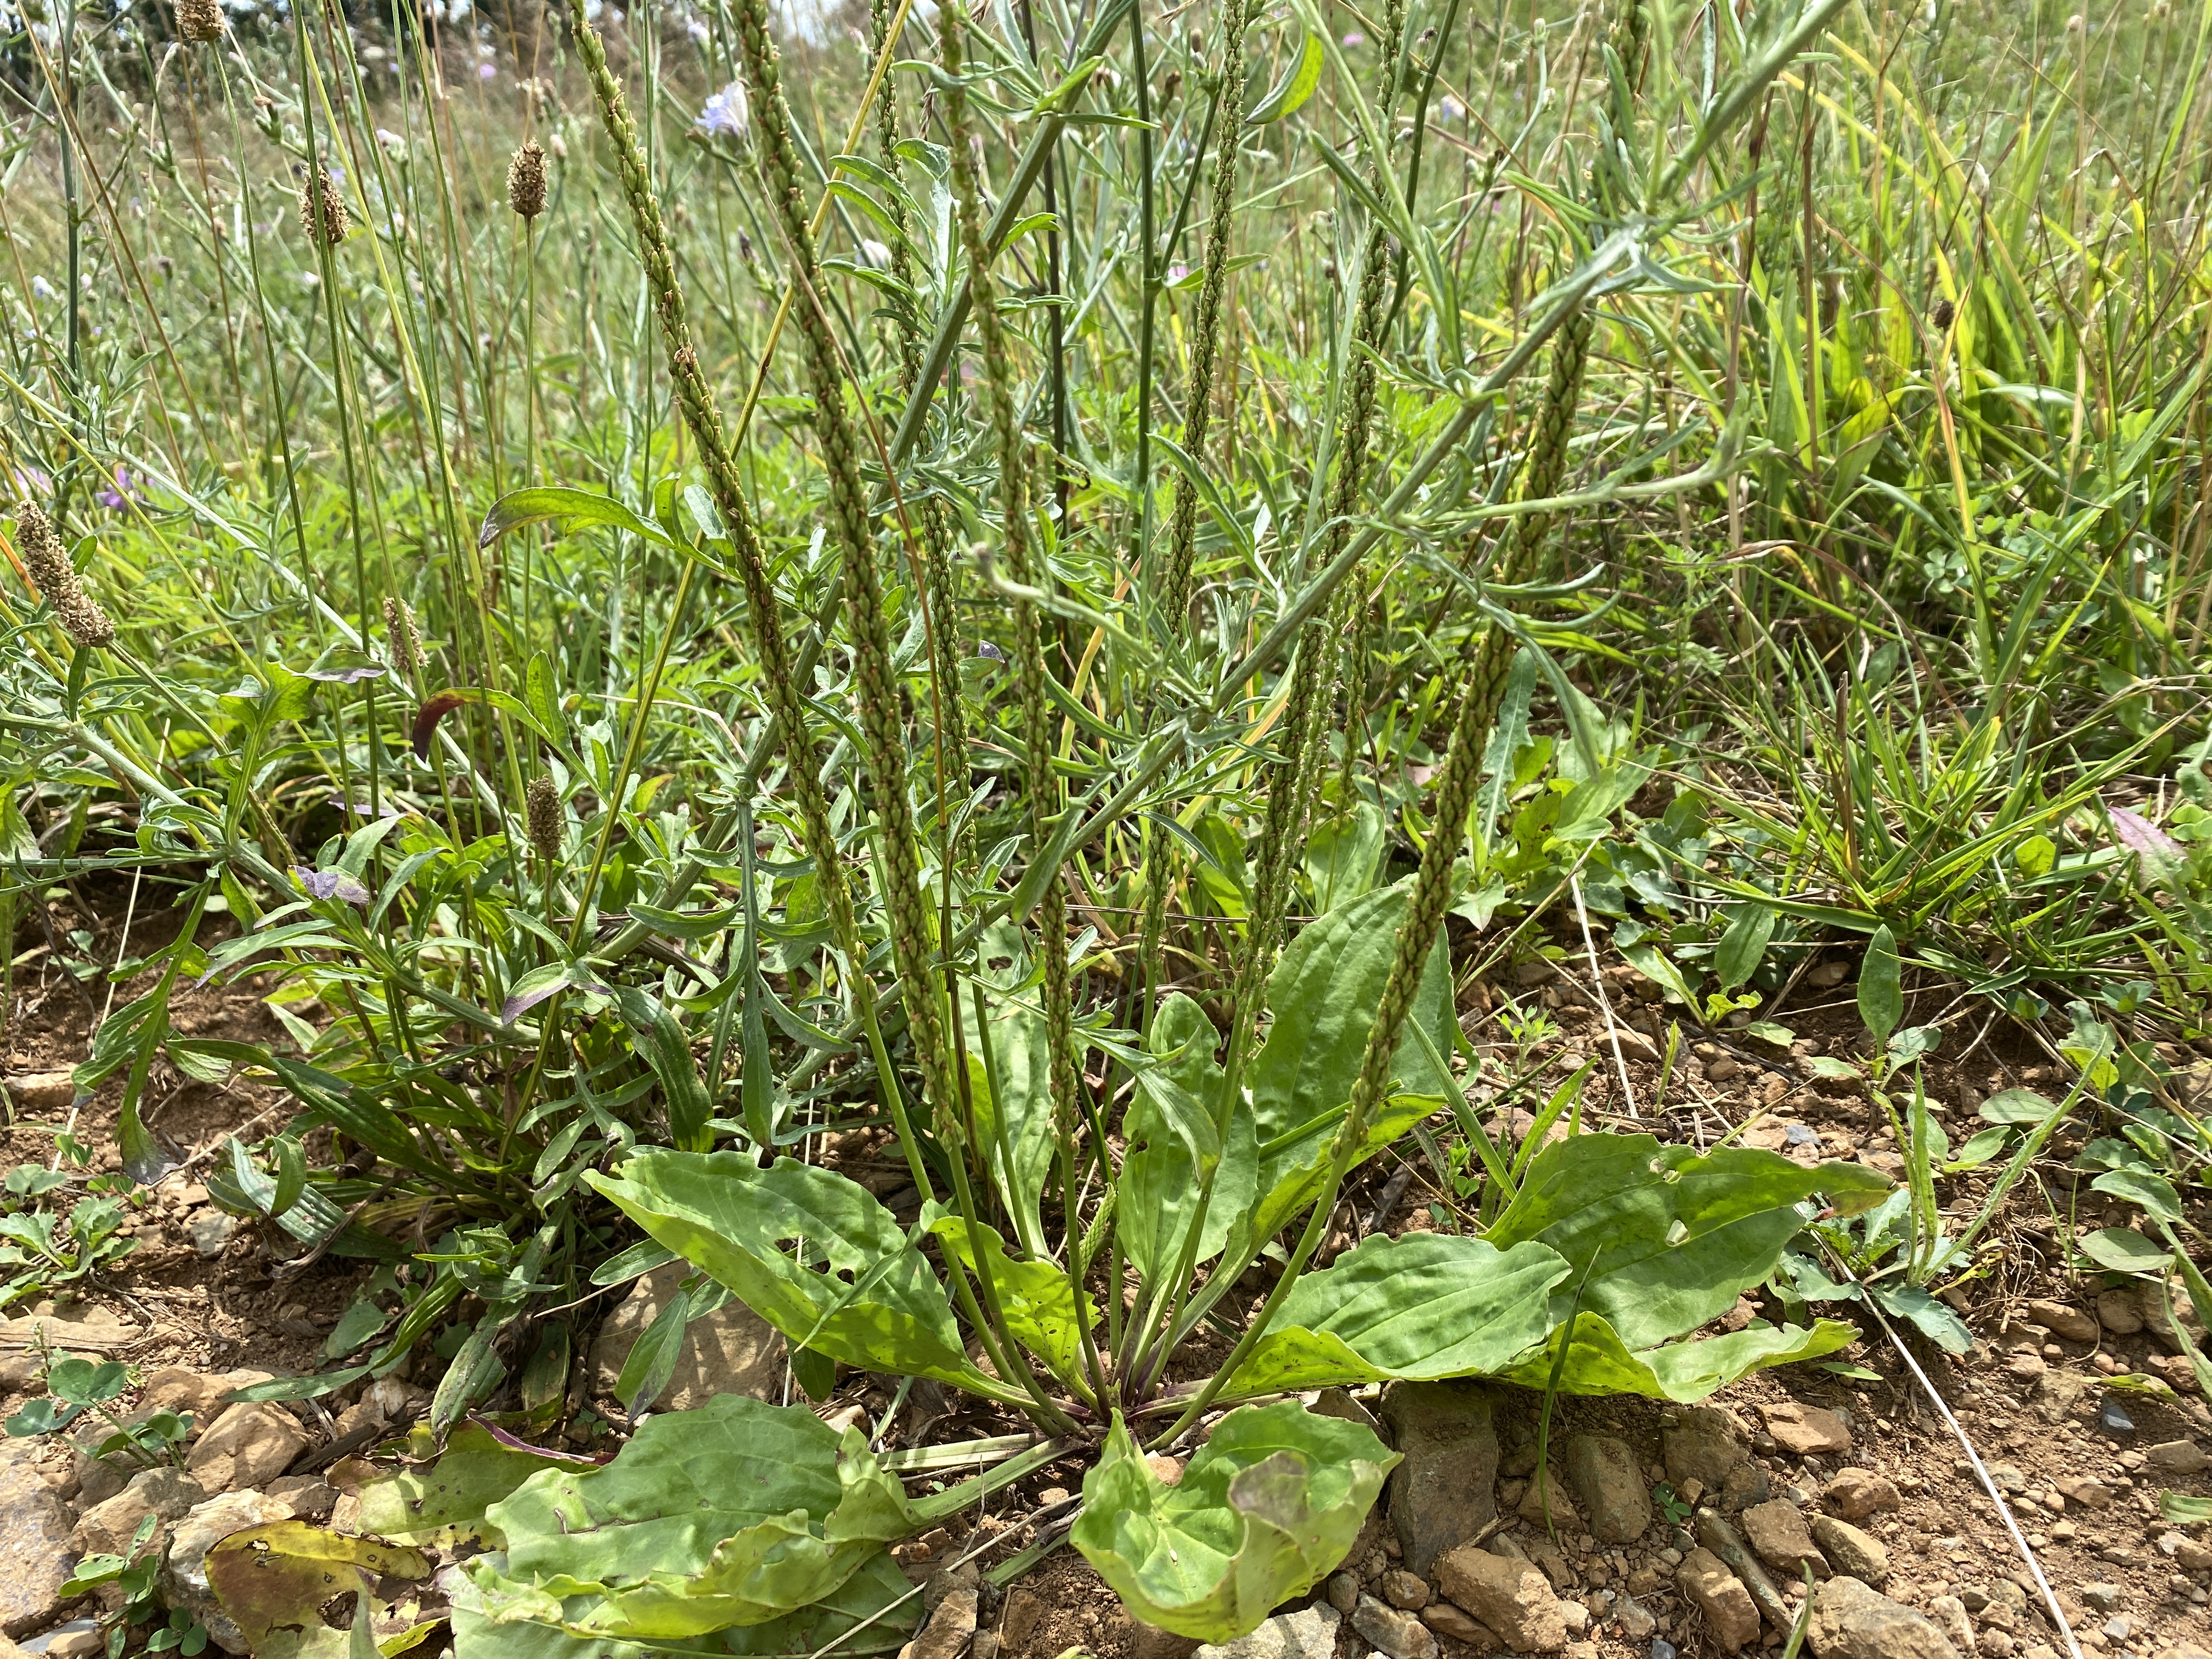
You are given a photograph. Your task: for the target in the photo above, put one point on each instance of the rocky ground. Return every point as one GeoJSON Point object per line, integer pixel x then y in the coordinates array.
{"type": "Point", "coordinates": [1861, 1483]}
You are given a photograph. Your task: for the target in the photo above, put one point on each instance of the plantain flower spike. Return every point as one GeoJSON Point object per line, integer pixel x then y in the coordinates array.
{"type": "Point", "coordinates": [58, 584]}
{"type": "Point", "coordinates": [199, 22]}
{"type": "Point", "coordinates": [406, 638]}
{"type": "Point", "coordinates": [525, 180]}
{"type": "Point", "coordinates": [323, 213]}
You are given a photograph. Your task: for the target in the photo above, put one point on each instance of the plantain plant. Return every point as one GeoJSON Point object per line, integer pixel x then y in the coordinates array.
{"type": "Point", "coordinates": [1042, 1273]}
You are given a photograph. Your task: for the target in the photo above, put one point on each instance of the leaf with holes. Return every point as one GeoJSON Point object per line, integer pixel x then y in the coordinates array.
{"type": "Point", "coordinates": [1270, 1504]}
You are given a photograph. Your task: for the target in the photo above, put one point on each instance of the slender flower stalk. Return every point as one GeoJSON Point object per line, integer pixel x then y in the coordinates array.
{"type": "Point", "coordinates": [1039, 782]}
{"type": "Point", "coordinates": [1173, 593]}
{"type": "Point", "coordinates": [913, 943]}
{"type": "Point", "coordinates": [936, 531]}
{"type": "Point", "coordinates": [1174, 596]}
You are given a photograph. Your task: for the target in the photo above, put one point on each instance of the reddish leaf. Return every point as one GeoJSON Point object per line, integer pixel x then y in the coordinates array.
{"type": "Point", "coordinates": [434, 709]}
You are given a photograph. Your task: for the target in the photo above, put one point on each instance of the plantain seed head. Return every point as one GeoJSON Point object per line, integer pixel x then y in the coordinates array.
{"type": "Point", "coordinates": [199, 20]}
{"type": "Point", "coordinates": [525, 180]}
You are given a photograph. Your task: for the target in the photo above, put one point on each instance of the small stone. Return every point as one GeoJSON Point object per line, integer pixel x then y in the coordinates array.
{"type": "Point", "coordinates": [249, 1445]}
{"type": "Point", "coordinates": [183, 1576]}
{"type": "Point", "coordinates": [1022, 1614]}
{"type": "Point", "coordinates": [945, 1581]}
{"type": "Point", "coordinates": [1601, 1473]}
{"type": "Point", "coordinates": [2118, 1312]}
{"type": "Point", "coordinates": [2069, 1324]}
{"type": "Point", "coordinates": [2114, 1419]}
{"type": "Point", "coordinates": [1513, 1598]}
{"type": "Point", "coordinates": [2177, 1457]}
{"type": "Point", "coordinates": [1547, 1502]}
{"type": "Point", "coordinates": [1448, 1621]}
{"type": "Point", "coordinates": [945, 1635]}
{"type": "Point", "coordinates": [1730, 1613]}
{"type": "Point", "coordinates": [2089, 1494]}
{"type": "Point", "coordinates": [1662, 1648]}
{"type": "Point", "coordinates": [311, 1497]}
{"type": "Point", "coordinates": [65, 1643]}
{"type": "Point", "coordinates": [1052, 1496]}
{"type": "Point", "coordinates": [1576, 1618]}
{"type": "Point", "coordinates": [1807, 1430]}
{"type": "Point", "coordinates": [1635, 1619]}
{"type": "Point", "coordinates": [1949, 1613]}
{"type": "Point", "coordinates": [1702, 1446]}
{"type": "Point", "coordinates": [1443, 1491]}
{"type": "Point", "coordinates": [1404, 1589]}
{"type": "Point", "coordinates": [1857, 1493]}
{"type": "Point", "coordinates": [1394, 1632]}
{"type": "Point", "coordinates": [1995, 1644]}
{"type": "Point", "coordinates": [1777, 1530]}
{"type": "Point", "coordinates": [732, 1350]}
{"type": "Point", "coordinates": [983, 1645]}
{"type": "Point", "coordinates": [2027, 1367]}
{"type": "Point", "coordinates": [1307, 1633]}
{"type": "Point", "coordinates": [1850, 1552]}
{"type": "Point", "coordinates": [210, 1232]}
{"type": "Point", "coordinates": [1851, 1621]}
{"type": "Point", "coordinates": [43, 1091]}
{"type": "Point", "coordinates": [2184, 1650]}
{"type": "Point", "coordinates": [2104, 1596]}
{"type": "Point", "coordinates": [107, 1528]}
{"type": "Point", "coordinates": [1343, 1592]}
{"type": "Point", "coordinates": [1151, 1642]}
{"type": "Point", "coordinates": [2009, 1477]}
{"type": "Point", "coordinates": [36, 1558]}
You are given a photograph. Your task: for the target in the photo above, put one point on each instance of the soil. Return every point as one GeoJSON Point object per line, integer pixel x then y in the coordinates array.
{"type": "Point", "coordinates": [2028, 1400]}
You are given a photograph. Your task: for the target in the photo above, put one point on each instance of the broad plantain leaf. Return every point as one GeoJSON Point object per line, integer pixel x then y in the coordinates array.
{"type": "Point", "coordinates": [274, 1579]}
{"type": "Point", "coordinates": [1168, 1130]}
{"type": "Point", "coordinates": [878, 1306]}
{"type": "Point", "coordinates": [500, 1625]}
{"type": "Point", "coordinates": [1012, 1090]}
{"type": "Point", "coordinates": [1662, 1239]}
{"type": "Point", "coordinates": [1323, 993]}
{"type": "Point", "coordinates": [1685, 1372]}
{"type": "Point", "coordinates": [1271, 1503]}
{"type": "Point", "coordinates": [737, 1513]}
{"type": "Point", "coordinates": [1426, 1306]}
{"type": "Point", "coordinates": [1039, 1306]}
{"type": "Point", "coordinates": [417, 1506]}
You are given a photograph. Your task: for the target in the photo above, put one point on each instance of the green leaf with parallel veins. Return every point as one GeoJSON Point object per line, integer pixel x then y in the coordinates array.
{"type": "Point", "coordinates": [734, 1514]}
{"type": "Point", "coordinates": [2122, 1250]}
{"type": "Point", "coordinates": [1169, 1130]}
{"type": "Point", "coordinates": [447, 1501]}
{"type": "Point", "coordinates": [1426, 1306]}
{"type": "Point", "coordinates": [1293, 1171]}
{"type": "Point", "coordinates": [568, 508]}
{"type": "Point", "coordinates": [1039, 1306]}
{"type": "Point", "coordinates": [1599, 1363]}
{"type": "Point", "coordinates": [499, 1625]}
{"type": "Point", "coordinates": [1668, 1237]}
{"type": "Point", "coordinates": [2153, 1195]}
{"type": "Point", "coordinates": [878, 1306]}
{"type": "Point", "coordinates": [1736, 958]}
{"type": "Point", "coordinates": [1271, 1502]}
{"type": "Point", "coordinates": [1322, 995]}
{"type": "Point", "coordinates": [1881, 991]}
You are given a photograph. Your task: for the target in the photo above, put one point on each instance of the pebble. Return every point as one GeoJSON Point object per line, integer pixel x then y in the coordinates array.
{"type": "Point", "coordinates": [2070, 1323]}
{"type": "Point", "coordinates": [2178, 1458]}
{"type": "Point", "coordinates": [2103, 1597]}
{"type": "Point", "coordinates": [1394, 1632]}
{"type": "Point", "coordinates": [2114, 1420]}
{"type": "Point", "coordinates": [1662, 1648]}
